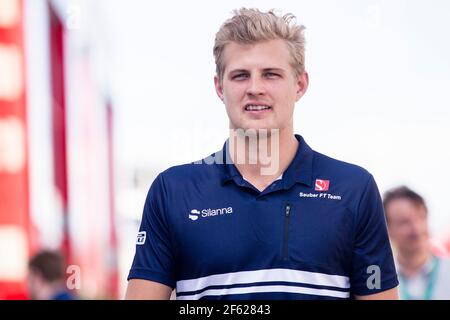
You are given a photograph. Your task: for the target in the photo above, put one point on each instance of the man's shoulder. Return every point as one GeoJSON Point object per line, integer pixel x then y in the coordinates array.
{"type": "Point", "coordinates": [195, 170]}
{"type": "Point", "coordinates": [442, 290]}
{"type": "Point", "coordinates": [329, 166]}
{"type": "Point", "coordinates": [445, 261]}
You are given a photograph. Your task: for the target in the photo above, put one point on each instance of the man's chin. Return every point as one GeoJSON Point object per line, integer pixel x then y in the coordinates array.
{"type": "Point", "coordinates": [262, 132]}
{"type": "Point", "coordinates": [259, 127]}
{"type": "Point", "coordinates": [412, 248]}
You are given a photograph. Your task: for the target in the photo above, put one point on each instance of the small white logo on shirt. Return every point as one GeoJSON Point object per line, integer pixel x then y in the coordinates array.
{"type": "Point", "coordinates": [195, 214]}
{"type": "Point", "coordinates": [141, 238]}
{"type": "Point", "coordinates": [322, 185]}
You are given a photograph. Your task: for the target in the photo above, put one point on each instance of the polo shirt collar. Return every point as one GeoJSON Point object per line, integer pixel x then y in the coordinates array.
{"type": "Point", "coordinates": [301, 168]}
{"type": "Point", "coordinates": [298, 171]}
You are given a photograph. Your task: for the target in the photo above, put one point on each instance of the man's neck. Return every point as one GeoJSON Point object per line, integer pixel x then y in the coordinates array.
{"type": "Point", "coordinates": [412, 264]}
{"type": "Point", "coordinates": [271, 161]}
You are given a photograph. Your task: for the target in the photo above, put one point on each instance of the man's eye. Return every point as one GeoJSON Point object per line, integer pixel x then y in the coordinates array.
{"type": "Point", "coordinates": [272, 75]}
{"type": "Point", "coordinates": [240, 76]}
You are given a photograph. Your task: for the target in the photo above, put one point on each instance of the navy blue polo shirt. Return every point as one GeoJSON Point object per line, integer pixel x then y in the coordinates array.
{"type": "Point", "coordinates": [319, 232]}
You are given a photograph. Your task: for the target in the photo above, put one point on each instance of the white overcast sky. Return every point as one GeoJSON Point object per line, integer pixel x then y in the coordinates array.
{"type": "Point", "coordinates": [378, 96]}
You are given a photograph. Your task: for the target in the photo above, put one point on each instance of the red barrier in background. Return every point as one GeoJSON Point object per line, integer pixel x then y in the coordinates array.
{"type": "Point", "coordinates": [84, 187]}
{"type": "Point", "coordinates": [59, 124]}
{"type": "Point", "coordinates": [14, 203]}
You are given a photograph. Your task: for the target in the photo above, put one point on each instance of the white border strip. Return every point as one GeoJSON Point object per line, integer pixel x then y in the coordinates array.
{"type": "Point", "coordinates": [259, 289]}
{"type": "Point", "coordinates": [264, 275]}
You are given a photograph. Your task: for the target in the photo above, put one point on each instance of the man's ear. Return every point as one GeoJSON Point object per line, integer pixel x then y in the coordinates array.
{"type": "Point", "coordinates": [302, 84]}
{"type": "Point", "coordinates": [219, 89]}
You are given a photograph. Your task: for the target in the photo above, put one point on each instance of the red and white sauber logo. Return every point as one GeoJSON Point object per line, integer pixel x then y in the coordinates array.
{"type": "Point", "coordinates": [322, 185]}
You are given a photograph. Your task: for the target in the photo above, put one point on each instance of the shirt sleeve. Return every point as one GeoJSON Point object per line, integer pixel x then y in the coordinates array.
{"type": "Point", "coordinates": [153, 259]}
{"type": "Point", "coordinates": [373, 268]}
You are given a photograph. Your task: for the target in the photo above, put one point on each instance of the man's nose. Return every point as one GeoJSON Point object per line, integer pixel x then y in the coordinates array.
{"type": "Point", "coordinates": [255, 86]}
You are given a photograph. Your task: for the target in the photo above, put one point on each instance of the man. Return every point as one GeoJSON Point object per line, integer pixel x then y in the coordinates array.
{"type": "Point", "coordinates": [422, 275]}
{"type": "Point", "coordinates": [249, 224]}
{"type": "Point", "coordinates": [46, 277]}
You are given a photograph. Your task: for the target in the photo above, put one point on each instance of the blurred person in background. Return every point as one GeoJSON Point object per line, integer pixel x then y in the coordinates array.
{"type": "Point", "coordinates": [422, 274]}
{"type": "Point", "coordinates": [46, 277]}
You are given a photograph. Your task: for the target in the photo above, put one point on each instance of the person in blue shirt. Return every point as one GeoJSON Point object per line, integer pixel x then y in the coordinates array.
{"type": "Point", "coordinates": [267, 217]}
{"type": "Point", "coordinates": [46, 277]}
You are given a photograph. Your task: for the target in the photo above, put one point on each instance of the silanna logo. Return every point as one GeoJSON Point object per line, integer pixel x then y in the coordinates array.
{"type": "Point", "coordinates": [195, 214]}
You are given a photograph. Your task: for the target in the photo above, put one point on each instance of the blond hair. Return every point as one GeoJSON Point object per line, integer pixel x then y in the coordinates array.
{"type": "Point", "coordinates": [249, 26]}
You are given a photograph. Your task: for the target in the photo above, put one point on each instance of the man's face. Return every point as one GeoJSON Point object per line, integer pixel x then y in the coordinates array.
{"type": "Point", "coordinates": [407, 224]}
{"type": "Point", "coordinates": [259, 86]}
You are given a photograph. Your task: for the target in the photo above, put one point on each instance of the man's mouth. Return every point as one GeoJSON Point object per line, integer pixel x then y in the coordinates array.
{"type": "Point", "coordinates": [253, 107]}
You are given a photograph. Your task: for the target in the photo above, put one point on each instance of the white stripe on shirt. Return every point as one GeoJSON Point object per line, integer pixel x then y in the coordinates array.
{"type": "Point", "coordinates": [262, 289]}
{"type": "Point", "coordinates": [264, 275]}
